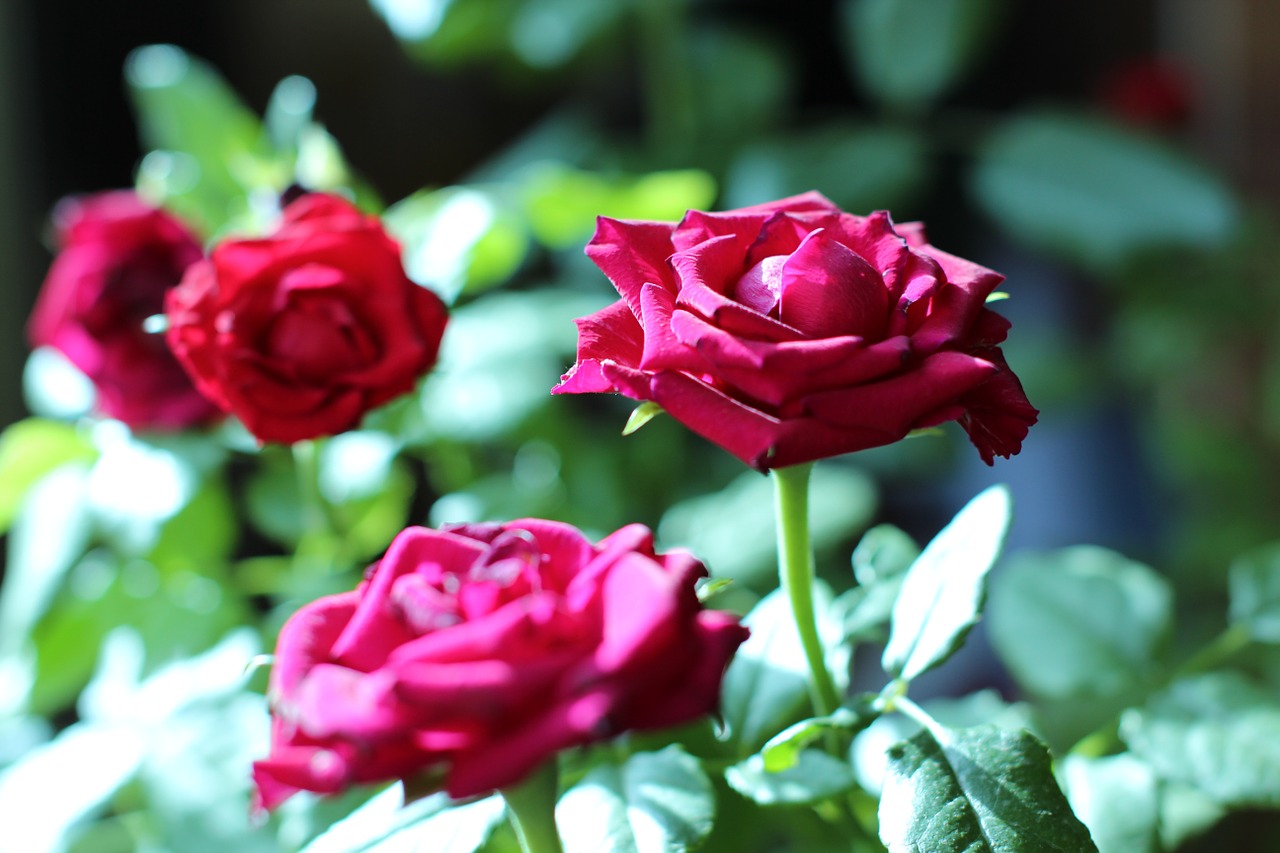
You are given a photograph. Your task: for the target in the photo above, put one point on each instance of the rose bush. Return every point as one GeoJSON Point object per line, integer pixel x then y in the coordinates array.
{"type": "Point", "coordinates": [792, 331]}
{"type": "Point", "coordinates": [472, 654]}
{"type": "Point", "coordinates": [301, 332]}
{"type": "Point", "coordinates": [117, 258]}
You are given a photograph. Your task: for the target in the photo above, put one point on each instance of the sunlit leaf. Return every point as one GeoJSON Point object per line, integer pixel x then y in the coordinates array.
{"type": "Point", "coordinates": [943, 591]}
{"type": "Point", "coordinates": [654, 803]}
{"type": "Point", "coordinates": [1218, 732]}
{"type": "Point", "coordinates": [814, 776]}
{"type": "Point", "coordinates": [31, 448]}
{"type": "Point", "coordinates": [562, 202]}
{"type": "Point", "coordinates": [458, 239]}
{"type": "Point", "coordinates": [977, 789]}
{"type": "Point", "coordinates": [1117, 798]}
{"type": "Point", "coordinates": [186, 108]}
{"type": "Point", "coordinates": [48, 536]}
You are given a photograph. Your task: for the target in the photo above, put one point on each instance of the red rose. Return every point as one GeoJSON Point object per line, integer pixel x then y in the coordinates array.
{"type": "Point", "coordinates": [117, 258]}
{"type": "Point", "coordinates": [474, 654]}
{"type": "Point", "coordinates": [792, 331]}
{"type": "Point", "coordinates": [300, 333]}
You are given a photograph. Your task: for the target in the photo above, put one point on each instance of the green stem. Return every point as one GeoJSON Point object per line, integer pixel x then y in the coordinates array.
{"type": "Point", "coordinates": [1224, 646]}
{"type": "Point", "coordinates": [532, 808]}
{"type": "Point", "coordinates": [795, 571]}
{"type": "Point", "coordinates": [306, 462]}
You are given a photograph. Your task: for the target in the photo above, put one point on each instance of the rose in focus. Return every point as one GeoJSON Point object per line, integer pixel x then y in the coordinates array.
{"type": "Point", "coordinates": [301, 332]}
{"type": "Point", "coordinates": [792, 331]}
{"type": "Point", "coordinates": [118, 257]}
{"type": "Point", "coordinates": [472, 654]}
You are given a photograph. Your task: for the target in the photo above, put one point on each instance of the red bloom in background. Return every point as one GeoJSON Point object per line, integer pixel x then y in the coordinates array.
{"type": "Point", "coordinates": [301, 332]}
{"type": "Point", "coordinates": [791, 331]}
{"type": "Point", "coordinates": [475, 653]}
{"type": "Point", "coordinates": [117, 258]}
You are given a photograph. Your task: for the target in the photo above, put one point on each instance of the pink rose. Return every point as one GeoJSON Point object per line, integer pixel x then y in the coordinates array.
{"type": "Point", "coordinates": [300, 333]}
{"type": "Point", "coordinates": [792, 331]}
{"type": "Point", "coordinates": [473, 654]}
{"type": "Point", "coordinates": [117, 258]}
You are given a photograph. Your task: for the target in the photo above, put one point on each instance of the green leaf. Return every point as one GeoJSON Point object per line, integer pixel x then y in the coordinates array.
{"type": "Point", "coordinates": [640, 416]}
{"type": "Point", "coordinates": [30, 449]}
{"type": "Point", "coordinates": [1218, 732]}
{"type": "Point", "coordinates": [767, 683]}
{"type": "Point", "coordinates": [815, 776]}
{"type": "Point", "coordinates": [1117, 798]}
{"type": "Point", "coordinates": [562, 202]}
{"type": "Point", "coordinates": [657, 802]}
{"type": "Point", "coordinates": [857, 166]}
{"type": "Point", "coordinates": [49, 535]}
{"type": "Point", "coordinates": [1082, 621]}
{"type": "Point", "coordinates": [871, 746]}
{"type": "Point", "coordinates": [908, 52]}
{"type": "Point", "coordinates": [185, 108]}
{"type": "Point", "coordinates": [880, 562]}
{"type": "Point", "coordinates": [782, 751]}
{"type": "Point", "coordinates": [1095, 192]}
{"type": "Point", "coordinates": [458, 239]}
{"type": "Point", "coordinates": [1254, 583]}
{"type": "Point", "coordinates": [387, 823]}
{"type": "Point", "coordinates": [489, 379]}
{"type": "Point", "coordinates": [884, 552]}
{"type": "Point", "coordinates": [942, 594]}
{"type": "Point", "coordinates": [47, 794]}
{"type": "Point", "coordinates": [972, 790]}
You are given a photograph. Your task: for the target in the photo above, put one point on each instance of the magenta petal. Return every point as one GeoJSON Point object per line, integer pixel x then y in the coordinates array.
{"type": "Point", "coordinates": [716, 636]}
{"type": "Point", "coordinates": [706, 274]}
{"type": "Point", "coordinates": [513, 754]}
{"type": "Point", "coordinates": [333, 700]}
{"type": "Point", "coordinates": [307, 639]}
{"type": "Point", "coordinates": [744, 431]}
{"type": "Point", "coordinates": [632, 254]}
{"type": "Point", "coordinates": [997, 412]}
{"type": "Point", "coordinates": [895, 405]}
{"type": "Point", "coordinates": [374, 631]}
{"type": "Point", "coordinates": [662, 349]}
{"type": "Point", "coordinates": [504, 634]}
{"type": "Point", "coordinates": [827, 290]}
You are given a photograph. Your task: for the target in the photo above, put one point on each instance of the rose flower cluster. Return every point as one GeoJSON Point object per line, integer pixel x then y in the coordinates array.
{"type": "Point", "coordinates": [298, 333]}
{"type": "Point", "coordinates": [472, 654]}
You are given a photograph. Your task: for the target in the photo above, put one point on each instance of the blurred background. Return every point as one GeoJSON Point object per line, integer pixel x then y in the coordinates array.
{"type": "Point", "coordinates": [979, 120]}
{"type": "Point", "coordinates": [1116, 161]}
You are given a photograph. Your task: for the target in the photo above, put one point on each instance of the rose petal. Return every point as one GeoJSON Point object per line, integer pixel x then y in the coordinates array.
{"type": "Point", "coordinates": [828, 291]}
{"type": "Point", "coordinates": [632, 254]}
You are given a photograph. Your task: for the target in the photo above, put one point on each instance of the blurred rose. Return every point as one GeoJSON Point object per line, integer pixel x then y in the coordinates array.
{"type": "Point", "coordinates": [1149, 92]}
{"type": "Point", "coordinates": [301, 332]}
{"type": "Point", "coordinates": [117, 258]}
{"type": "Point", "coordinates": [791, 331]}
{"type": "Point", "coordinates": [473, 654]}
